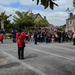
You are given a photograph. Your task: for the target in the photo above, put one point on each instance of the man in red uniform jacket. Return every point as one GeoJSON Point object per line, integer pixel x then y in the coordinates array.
{"type": "Point", "coordinates": [20, 36]}
{"type": "Point", "coordinates": [1, 38]}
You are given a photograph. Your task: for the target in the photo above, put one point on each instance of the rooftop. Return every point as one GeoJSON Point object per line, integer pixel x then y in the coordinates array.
{"type": "Point", "coordinates": [72, 17]}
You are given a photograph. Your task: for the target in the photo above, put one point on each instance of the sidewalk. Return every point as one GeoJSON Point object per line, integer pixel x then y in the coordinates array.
{"type": "Point", "coordinates": [12, 66]}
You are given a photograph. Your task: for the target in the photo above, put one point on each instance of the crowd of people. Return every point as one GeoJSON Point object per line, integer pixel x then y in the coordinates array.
{"type": "Point", "coordinates": [45, 35]}
{"type": "Point", "coordinates": [53, 36]}
{"type": "Point", "coordinates": [41, 36]}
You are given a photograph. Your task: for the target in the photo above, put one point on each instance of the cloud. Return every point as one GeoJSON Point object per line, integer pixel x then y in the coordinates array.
{"type": "Point", "coordinates": [8, 2]}
{"type": "Point", "coordinates": [22, 2]}
{"type": "Point", "coordinates": [9, 10]}
{"type": "Point", "coordinates": [27, 2]}
{"type": "Point", "coordinates": [57, 16]}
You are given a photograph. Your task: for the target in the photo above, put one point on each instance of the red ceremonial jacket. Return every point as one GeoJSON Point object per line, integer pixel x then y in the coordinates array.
{"type": "Point", "coordinates": [20, 38]}
{"type": "Point", "coordinates": [1, 37]}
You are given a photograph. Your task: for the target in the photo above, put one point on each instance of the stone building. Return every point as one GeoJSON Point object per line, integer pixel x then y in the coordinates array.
{"type": "Point", "coordinates": [70, 23]}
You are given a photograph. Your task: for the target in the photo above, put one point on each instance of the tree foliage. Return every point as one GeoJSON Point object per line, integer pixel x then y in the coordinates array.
{"type": "Point", "coordinates": [23, 19]}
{"type": "Point", "coordinates": [41, 23]}
{"type": "Point", "coordinates": [47, 3]}
{"type": "Point", "coordinates": [74, 3]}
{"type": "Point", "coordinates": [6, 22]}
{"type": "Point", "coordinates": [70, 10]}
{"type": "Point", "coordinates": [3, 16]}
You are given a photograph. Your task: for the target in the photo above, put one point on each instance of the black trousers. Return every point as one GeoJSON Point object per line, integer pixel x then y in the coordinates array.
{"type": "Point", "coordinates": [1, 41]}
{"type": "Point", "coordinates": [35, 40]}
{"type": "Point", "coordinates": [74, 41]}
{"type": "Point", "coordinates": [21, 52]}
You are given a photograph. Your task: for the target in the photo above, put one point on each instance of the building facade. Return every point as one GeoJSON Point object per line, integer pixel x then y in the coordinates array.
{"type": "Point", "coordinates": [70, 23]}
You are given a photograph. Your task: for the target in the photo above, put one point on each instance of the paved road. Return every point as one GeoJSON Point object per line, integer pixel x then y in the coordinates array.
{"type": "Point", "coordinates": [40, 59]}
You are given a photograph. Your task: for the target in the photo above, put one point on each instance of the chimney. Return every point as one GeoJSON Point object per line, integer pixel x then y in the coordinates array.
{"type": "Point", "coordinates": [71, 14]}
{"type": "Point", "coordinates": [45, 17]}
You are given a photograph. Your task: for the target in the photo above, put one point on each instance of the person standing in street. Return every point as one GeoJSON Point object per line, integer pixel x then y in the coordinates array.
{"type": "Point", "coordinates": [35, 37]}
{"type": "Point", "coordinates": [74, 38]}
{"type": "Point", "coordinates": [20, 39]}
{"type": "Point", "coordinates": [1, 38]}
{"type": "Point", "coordinates": [14, 35]}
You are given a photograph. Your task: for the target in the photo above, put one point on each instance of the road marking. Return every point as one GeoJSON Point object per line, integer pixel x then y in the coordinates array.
{"type": "Point", "coordinates": [25, 64]}
{"type": "Point", "coordinates": [54, 45]}
{"type": "Point", "coordinates": [57, 47]}
{"type": "Point", "coordinates": [69, 58]}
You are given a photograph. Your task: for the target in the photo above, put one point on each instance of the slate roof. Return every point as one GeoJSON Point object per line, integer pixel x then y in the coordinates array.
{"type": "Point", "coordinates": [35, 15]}
{"type": "Point", "coordinates": [72, 17]}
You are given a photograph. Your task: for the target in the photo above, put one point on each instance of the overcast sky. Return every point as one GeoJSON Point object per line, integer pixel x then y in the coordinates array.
{"type": "Point", "coordinates": [56, 17]}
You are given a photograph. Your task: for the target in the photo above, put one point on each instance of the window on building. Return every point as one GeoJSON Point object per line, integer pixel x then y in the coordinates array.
{"type": "Point", "coordinates": [70, 22]}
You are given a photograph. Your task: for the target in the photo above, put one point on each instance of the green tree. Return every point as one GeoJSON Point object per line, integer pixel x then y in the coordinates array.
{"type": "Point", "coordinates": [74, 3]}
{"type": "Point", "coordinates": [4, 18]}
{"type": "Point", "coordinates": [49, 3]}
{"type": "Point", "coordinates": [8, 26]}
{"type": "Point", "coordinates": [41, 23]}
{"type": "Point", "coordinates": [23, 19]}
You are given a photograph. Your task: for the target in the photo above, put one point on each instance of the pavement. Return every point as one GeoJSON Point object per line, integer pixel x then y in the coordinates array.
{"type": "Point", "coordinates": [40, 59]}
{"type": "Point", "coordinates": [10, 65]}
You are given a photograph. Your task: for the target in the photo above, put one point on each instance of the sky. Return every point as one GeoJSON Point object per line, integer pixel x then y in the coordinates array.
{"type": "Point", "coordinates": [56, 17]}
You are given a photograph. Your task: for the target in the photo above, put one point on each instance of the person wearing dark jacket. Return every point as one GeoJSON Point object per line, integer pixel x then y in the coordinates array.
{"type": "Point", "coordinates": [35, 37]}
{"type": "Point", "coordinates": [14, 35]}
{"type": "Point", "coordinates": [59, 36]}
{"type": "Point", "coordinates": [74, 38]}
